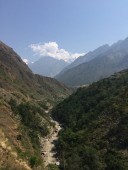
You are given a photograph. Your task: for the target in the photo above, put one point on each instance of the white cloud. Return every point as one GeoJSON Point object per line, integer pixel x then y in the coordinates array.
{"type": "Point", "coordinates": [25, 60]}
{"type": "Point", "coordinates": [52, 49]}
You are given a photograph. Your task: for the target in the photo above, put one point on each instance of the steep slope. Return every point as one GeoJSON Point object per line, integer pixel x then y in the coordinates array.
{"type": "Point", "coordinates": [15, 74]}
{"type": "Point", "coordinates": [87, 57]}
{"type": "Point", "coordinates": [113, 60]}
{"type": "Point", "coordinates": [25, 99]}
{"type": "Point", "coordinates": [48, 66]}
{"type": "Point", "coordinates": [95, 126]}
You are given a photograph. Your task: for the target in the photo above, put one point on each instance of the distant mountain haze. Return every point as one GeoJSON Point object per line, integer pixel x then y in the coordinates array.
{"type": "Point", "coordinates": [113, 59]}
{"type": "Point", "coordinates": [48, 66]}
{"type": "Point", "coordinates": [87, 57]}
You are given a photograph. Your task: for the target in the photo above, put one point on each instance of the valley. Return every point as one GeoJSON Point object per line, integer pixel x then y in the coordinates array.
{"type": "Point", "coordinates": [93, 119]}
{"type": "Point", "coordinates": [63, 85]}
{"type": "Point", "coordinates": [25, 100]}
{"type": "Point", "coordinates": [45, 125]}
{"type": "Point", "coordinates": [48, 151]}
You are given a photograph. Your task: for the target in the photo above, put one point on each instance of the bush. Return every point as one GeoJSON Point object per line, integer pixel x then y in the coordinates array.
{"type": "Point", "coordinates": [52, 167]}
{"type": "Point", "coordinates": [33, 161]}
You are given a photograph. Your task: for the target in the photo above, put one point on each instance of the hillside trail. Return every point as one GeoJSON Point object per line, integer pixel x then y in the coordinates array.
{"type": "Point", "coordinates": [48, 145]}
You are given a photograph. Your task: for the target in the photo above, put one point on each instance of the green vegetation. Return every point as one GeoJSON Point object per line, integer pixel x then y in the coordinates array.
{"type": "Point", "coordinates": [32, 127]}
{"type": "Point", "coordinates": [25, 99]}
{"type": "Point", "coordinates": [95, 122]}
{"type": "Point", "coordinates": [33, 161]}
{"type": "Point", "coordinates": [52, 167]}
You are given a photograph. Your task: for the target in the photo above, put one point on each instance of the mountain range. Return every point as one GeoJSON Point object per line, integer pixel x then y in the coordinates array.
{"type": "Point", "coordinates": [48, 66]}
{"type": "Point", "coordinates": [96, 65]}
{"type": "Point", "coordinates": [94, 119]}
{"type": "Point", "coordinates": [87, 57]}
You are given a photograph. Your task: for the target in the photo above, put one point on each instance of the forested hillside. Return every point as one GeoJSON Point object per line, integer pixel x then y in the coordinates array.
{"type": "Point", "coordinates": [95, 122]}
{"type": "Point", "coordinates": [25, 100]}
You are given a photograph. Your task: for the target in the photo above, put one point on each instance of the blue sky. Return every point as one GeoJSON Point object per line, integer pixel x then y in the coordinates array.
{"type": "Point", "coordinates": [75, 26]}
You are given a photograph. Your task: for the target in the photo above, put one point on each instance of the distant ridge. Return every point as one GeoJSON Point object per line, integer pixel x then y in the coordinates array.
{"type": "Point", "coordinates": [48, 66]}
{"type": "Point", "coordinates": [113, 59]}
{"type": "Point", "coordinates": [87, 57]}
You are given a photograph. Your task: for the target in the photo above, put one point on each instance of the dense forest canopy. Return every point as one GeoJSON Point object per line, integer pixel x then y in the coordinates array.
{"type": "Point", "coordinates": [95, 121]}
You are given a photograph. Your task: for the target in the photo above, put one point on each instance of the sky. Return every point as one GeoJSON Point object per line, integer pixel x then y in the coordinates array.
{"type": "Point", "coordinates": [63, 29]}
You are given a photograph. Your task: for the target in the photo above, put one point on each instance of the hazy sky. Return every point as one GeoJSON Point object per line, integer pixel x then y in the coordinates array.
{"type": "Point", "coordinates": [61, 27]}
